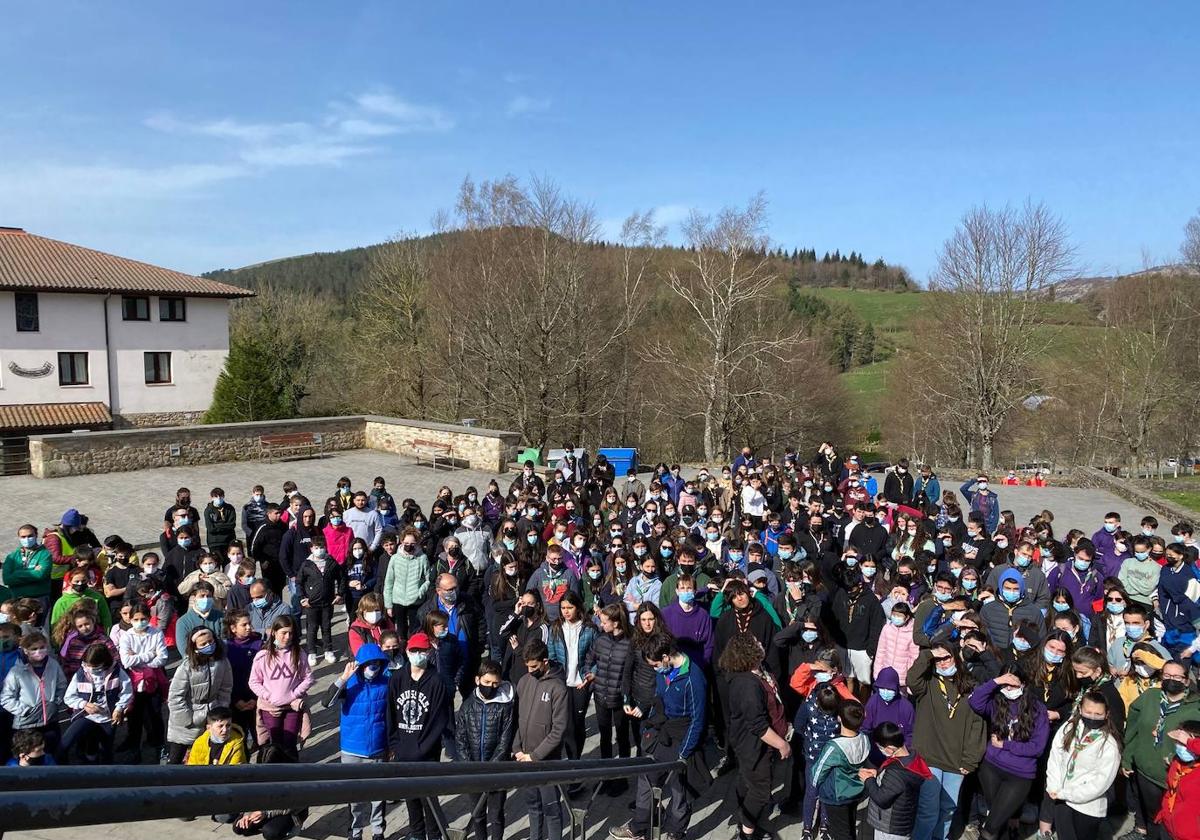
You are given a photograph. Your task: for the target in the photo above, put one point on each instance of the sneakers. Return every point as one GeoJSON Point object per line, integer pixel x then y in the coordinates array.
{"type": "Point", "coordinates": [1047, 835]}
{"type": "Point", "coordinates": [626, 832]}
{"type": "Point", "coordinates": [312, 660]}
{"type": "Point", "coordinates": [330, 657]}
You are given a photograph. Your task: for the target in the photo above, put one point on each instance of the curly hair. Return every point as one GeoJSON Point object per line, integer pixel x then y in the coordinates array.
{"type": "Point", "coordinates": [742, 653]}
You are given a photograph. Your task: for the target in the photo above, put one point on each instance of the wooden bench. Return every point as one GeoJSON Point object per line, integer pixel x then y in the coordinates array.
{"type": "Point", "coordinates": [433, 450]}
{"type": "Point", "coordinates": [292, 443]}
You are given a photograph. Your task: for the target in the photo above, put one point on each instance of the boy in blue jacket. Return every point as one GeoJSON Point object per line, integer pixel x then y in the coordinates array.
{"type": "Point", "coordinates": [363, 691]}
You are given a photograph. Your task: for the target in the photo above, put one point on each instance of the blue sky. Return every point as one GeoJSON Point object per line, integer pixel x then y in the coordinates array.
{"type": "Point", "coordinates": [216, 134]}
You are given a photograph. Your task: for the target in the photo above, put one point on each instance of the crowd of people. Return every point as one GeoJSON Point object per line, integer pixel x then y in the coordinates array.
{"type": "Point", "coordinates": [829, 643]}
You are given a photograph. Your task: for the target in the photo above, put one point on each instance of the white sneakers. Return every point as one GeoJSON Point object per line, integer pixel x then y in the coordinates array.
{"type": "Point", "coordinates": [312, 660]}
{"type": "Point", "coordinates": [330, 657]}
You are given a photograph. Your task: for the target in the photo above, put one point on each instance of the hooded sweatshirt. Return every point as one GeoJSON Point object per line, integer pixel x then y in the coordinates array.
{"type": "Point", "coordinates": [899, 710]}
{"type": "Point", "coordinates": [1151, 717]}
{"type": "Point", "coordinates": [543, 714]}
{"type": "Point", "coordinates": [418, 714]}
{"type": "Point", "coordinates": [364, 705]}
{"type": "Point", "coordinates": [836, 772]}
{"type": "Point", "coordinates": [1020, 758]}
{"type": "Point", "coordinates": [893, 793]}
{"type": "Point", "coordinates": [999, 617]}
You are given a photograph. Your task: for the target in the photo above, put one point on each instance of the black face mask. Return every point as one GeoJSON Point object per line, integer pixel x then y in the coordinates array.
{"type": "Point", "coordinates": [526, 612]}
{"type": "Point", "coordinates": [487, 692]}
{"type": "Point", "coordinates": [1089, 723]}
{"type": "Point", "coordinates": [36, 762]}
{"type": "Point", "coordinates": [537, 673]}
{"type": "Point", "coordinates": [1173, 686]}
{"type": "Point", "coordinates": [1086, 682]}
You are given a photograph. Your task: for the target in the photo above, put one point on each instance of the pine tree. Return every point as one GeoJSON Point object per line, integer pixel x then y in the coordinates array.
{"type": "Point", "coordinates": [250, 386]}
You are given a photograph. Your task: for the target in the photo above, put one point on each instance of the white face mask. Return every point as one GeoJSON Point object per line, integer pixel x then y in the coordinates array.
{"type": "Point", "coordinates": [373, 616]}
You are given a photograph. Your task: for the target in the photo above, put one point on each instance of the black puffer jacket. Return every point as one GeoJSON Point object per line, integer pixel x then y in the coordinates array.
{"type": "Point", "coordinates": [484, 728]}
{"type": "Point", "coordinates": [611, 653]}
{"type": "Point", "coordinates": [639, 682]}
{"type": "Point", "coordinates": [892, 795]}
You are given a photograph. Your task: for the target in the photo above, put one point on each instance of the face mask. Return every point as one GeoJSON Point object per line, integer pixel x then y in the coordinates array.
{"type": "Point", "coordinates": [686, 596]}
{"type": "Point", "coordinates": [1059, 606]}
{"type": "Point", "coordinates": [621, 567]}
{"type": "Point", "coordinates": [1173, 686]}
{"type": "Point", "coordinates": [450, 598]}
{"type": "Point", "coordinates": [887, 695]}
{"type": "Point", "coordinates": [948, 671]}
{"type": "Point", "coordinates": [487, 692]}
{"type": "Point", "coordinates": [203, 604]}
{"type": "Point", "coordinates": [735, 557]}
{"type": "Point", "coordinates": [78, 587]}
{"type": "Point", "coordinates": [420, 524]}
{"type": "Point", "coordinates": [1023, 561]}
{"type": "Point", "coordinates": [594, 574]}
{"type": "Point", "coordinates": [665, 551]}
{"type": "Point", "coordinates": [712, 536]}
{"type": "Point", "coordinates": [257, 497]}
{"type": "Point", "coordinates": [970, 584]}
{"type": "Point", "coordinates": [442, 633]}
{"type": "Point", "coordinates": [185, 542]}
{"type": "Point", "coordinates": [207, 649]}
{"type": "Point", "coordinates": [183, 520]}
{"type": "Point", "coordinates": [1012, 693]}
{"type": "Point", "coordinates": [531, 538]}
{"type": "Point", "coordinates": [140, 623]}
{"type": "Point", "coordinates": [1011, 595]}
{"type": "Point", "coordinates": [943, 597]}
{"type": "Point", "coordinates": [260, 603]}
{"type": "Point", "coordinates": [1184, 754]}
{"type": "Point", "coordinates": [511, 571]}
{"type": "Point", "coordinates": [417, 658]}
{"type": "Point", "coordinates": [1114, 608]}
{"type": "Point", "coordinates": [1083, 565]}
{"type": "Point", "coordinates": [1135, 631]}
{"type": "Point", "coordinates": [28, 542]}
{"type": "Point", "coordinates": [1142, 555]}
{"type": "Point", "coordinates": [1051, 657]}
{"type": "Point", "coordinates": [822, 676]}
{"type": "Point", "coordinates": [1143, 671]}
{"type": "Point", "coordinates": [216, 739]}
{"type": "Point", "coordinates": [639, 550]}
{"type": "Point", "coordinates": [208, 568]}
{"type": "Point", "coordinates": [1020, 644]}
{"type": "Point", "coordinates": [1110, 527]}
{"type": "Point", "coordinates": [370, 672]}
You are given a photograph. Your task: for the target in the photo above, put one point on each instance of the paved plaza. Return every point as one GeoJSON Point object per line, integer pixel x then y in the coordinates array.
{"type": "Point", "coordinates": [131, 504]}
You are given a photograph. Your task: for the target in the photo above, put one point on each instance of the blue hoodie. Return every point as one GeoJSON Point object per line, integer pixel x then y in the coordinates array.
{"type": "Point", "coordinates": [1000, 617]}
{"type": "Point", "coordinates": [364, 706]}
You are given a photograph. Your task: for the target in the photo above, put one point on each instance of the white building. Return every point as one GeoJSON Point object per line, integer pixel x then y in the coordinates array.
{"type": "Point", "coordinates": [89, 340]}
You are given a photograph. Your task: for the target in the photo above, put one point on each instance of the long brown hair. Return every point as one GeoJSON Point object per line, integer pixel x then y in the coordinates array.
{"type": "Point", "coordinates": [1108, 728]}
{"type": "Point", "coordinates": [293, 646]}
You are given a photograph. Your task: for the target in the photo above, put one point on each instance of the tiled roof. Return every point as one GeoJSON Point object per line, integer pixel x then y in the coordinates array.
{"type": "Point", "coordinates": [36, 264]}
{"type": "Point", "coordinates": [44, 416]}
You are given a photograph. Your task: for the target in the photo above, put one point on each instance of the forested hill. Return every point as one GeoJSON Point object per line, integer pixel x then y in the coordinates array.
{"type": "Point", "coordinates": [341, 272]}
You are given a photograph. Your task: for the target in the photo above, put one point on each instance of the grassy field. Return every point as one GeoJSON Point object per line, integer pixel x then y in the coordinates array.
{"type": "Point", "coordinates": [1071, 332]}
{"type": "Point", "coordinates": [1187, 498]}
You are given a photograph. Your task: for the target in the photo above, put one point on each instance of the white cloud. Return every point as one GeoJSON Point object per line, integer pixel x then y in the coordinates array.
{"type": "Point", "coordinates": [102, 181]}
{"type": "Point", "coordinates": [316, 152]}
{"type": "Point", "coordinates": [407, 117]}
{"type": "Point", "coordinates": [520, 105]}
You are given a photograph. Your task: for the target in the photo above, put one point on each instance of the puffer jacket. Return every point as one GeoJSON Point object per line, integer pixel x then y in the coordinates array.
{"type": "Point", "coordinates": [364, 706]}
{"type": "Point", "coordinates": [896, 649]}
{"type": "Point", "coordinates": [999, 617]}
{"type": "Point", "coordinates": [611, 654]}
{"type": "Point", "coordinates": [407, 580]}
{"type": "Point", "coordinates": [233, 751]}
{"type": "Point", "coordinates": [892, 795]}
{"type": "Point", "coordinates": [194, 690]}
{"type": "Point", "coordinates": [484, 728]}
{"type": "Point", "coordinates": [476, 545]}
{"type": "Point", "coordinates": [34, 700]}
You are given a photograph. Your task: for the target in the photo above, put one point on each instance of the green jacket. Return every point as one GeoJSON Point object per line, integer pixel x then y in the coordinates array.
{"type": "Point", "coordinates": [69, 599]}
{"type": "Point", "coordinates": [1145, 752]}
{"type": "Point", "coordinates": [718, 607]}
{"type": "Point", "coordinates": [407, 580]}
{"type": "Point", "coordinates": [667, 594]}
{"type": "Point", "coordinates": [27, 572]}
{"type": "Point", "coordinates": [835, 774]}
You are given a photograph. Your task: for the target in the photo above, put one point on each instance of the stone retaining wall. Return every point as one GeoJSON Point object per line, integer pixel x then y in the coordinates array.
{"type": "Point", "coordinates": [1160, 507]}
{"type": "Point", "coordinates": [486, 450]}
{"type": "Point", "coordinates": [150, 420]}
{"type": "Point", "coordinates": [85, 453]}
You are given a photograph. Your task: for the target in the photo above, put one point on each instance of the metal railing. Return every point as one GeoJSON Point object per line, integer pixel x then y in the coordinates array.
{"type": "Point", "coordinates": [63, 797]}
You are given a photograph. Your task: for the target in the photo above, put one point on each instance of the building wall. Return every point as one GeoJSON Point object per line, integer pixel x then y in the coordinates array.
{"type": "Point", "coordinates": [70, 322]}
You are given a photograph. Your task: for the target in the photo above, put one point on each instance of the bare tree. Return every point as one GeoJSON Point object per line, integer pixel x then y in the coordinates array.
{"type": "Point", "coordinates": [724, 342]}
{"type": "Point", "coordinates": [995, 272]}
{"type": "Point", "coordinates": [1191, 242]}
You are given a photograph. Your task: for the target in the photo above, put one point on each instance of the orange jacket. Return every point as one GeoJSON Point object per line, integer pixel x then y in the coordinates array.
{"type": "Point", "coordinates": [1180, 814]}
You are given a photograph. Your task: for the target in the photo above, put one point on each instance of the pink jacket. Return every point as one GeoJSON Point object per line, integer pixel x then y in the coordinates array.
{"type": "Point", "coordinates": [896, 649]}
{"type": "Point", "coordinates": [276, 683]}
{"type": "Point", "coordinates": [337, 542]}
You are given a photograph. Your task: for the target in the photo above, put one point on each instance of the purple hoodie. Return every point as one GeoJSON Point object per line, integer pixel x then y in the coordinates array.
{"type": "Point", "coordinates": [693, 630]}
{"type": "Point", "coordinates": [899, 711]}
{"type": "Point", "coordinates": [1106, 551]}
{"type": "Point", "coordinates": [1017, 757]}
{"type": "Point", "coordinates": [1085, 587]}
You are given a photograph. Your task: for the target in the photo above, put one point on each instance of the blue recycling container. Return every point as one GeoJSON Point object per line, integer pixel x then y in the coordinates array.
{"type": "Point", "coordinates": [622, 459]}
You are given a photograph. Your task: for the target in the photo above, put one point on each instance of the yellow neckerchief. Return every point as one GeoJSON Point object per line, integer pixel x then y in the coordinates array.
{"type": "Point", "coordinates": [951, 708]}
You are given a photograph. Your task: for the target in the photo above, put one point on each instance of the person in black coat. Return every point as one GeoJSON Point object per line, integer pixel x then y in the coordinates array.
{"type": "Point", "coordinates": [484, 731]}
{"type": "Point", "coordinates": [893, 790]}
{"type": "Point", "coordinates": [419, 715]}
{"type": "Point", "coordinates": [856, 621]}
{"type": "Point", "coordinates": [898, 485]}
{"type": "Point", "coordinates": [264, 548]}
{"type": "Point", "coordinates": [320, 583]}
{"type": "Point", "coordinates": [613, 650]}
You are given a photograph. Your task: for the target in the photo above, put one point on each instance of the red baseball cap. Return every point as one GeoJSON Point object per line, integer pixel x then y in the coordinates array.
{"type": "Point", "coordinates": [419, 641]}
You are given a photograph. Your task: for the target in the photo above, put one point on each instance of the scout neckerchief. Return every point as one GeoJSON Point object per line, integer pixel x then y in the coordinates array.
{"type": "Point", "coordinates": [1165, 707]}
{"type": "Point", "coordinates": [1100, 682]}
{"type": "Point", "coordinates": [951, 708]}
{"type": "Point", "coordinates": [1079, 744]}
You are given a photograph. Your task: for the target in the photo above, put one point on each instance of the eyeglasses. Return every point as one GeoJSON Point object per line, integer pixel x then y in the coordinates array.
{"type": "Point", "coordinates": [1116, 601]}
{"type": "Point", "coordinates": [943, 659]}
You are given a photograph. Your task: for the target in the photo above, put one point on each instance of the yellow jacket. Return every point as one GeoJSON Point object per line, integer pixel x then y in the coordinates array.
{"type": "Point", "coordinates": [233, 751]}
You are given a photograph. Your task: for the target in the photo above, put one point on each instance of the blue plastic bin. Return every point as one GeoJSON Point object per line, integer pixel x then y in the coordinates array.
{"type": "Point", "coordinates": [622, 459]}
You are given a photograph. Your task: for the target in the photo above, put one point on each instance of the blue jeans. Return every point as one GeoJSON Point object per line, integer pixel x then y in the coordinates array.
{"type": "Point", "coordinates": [935, 807]}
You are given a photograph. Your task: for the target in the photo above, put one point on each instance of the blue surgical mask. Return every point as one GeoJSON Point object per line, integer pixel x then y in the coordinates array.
{"type": "Point", "coordinates": [203, 603]}
{"type": "Point", "coordinates": [207, 649]}
{"type": "Point", "coordinates": [1115, 609]}
{"type": "Point", "coordinates": [1142, 555]}
{"type": "Point", "coordinates": [218, 502]}
{"type": "Point", "coordinates": [897, 620]}
{"type": "Point", "coordinates": [1051, 657]}
{"type": "Point", "coordinates": [594, 574]}
{"type": "Point", "coordinates": [260, 603]}
{"type": "Point", "coordinates": [1059, 606]}
{"type": "Point", "coordinates": [639, 551]}
{"type": "Point", "coordinates": [869, 572]}
{"type": "Point", "coordinates": [1184, 754]}
{"type": "Point", "coordinates": [887, 695]}
{"type": "Point", "coordinates": [810, 636]}
{"type": "Point", "coordinates": [785, 554]}
{"type": "Point", "coordinates": [735, 557]}
{"type": "Point", "coordinates": [1020, 644]}
{"type": "Point", "coordinates": [822, 676]}
{"type": "Point", "coordinates": [970, 584]}
{"type": "Point", "coordinates": [665, 551]}
{"type": "Point", "coordinates": [510, 544]}
{"type": "Point", "coordinates": [943, 597]}
{"type": "Point", "coordinates": [1134, 631]}
{"type": "Point", "coordinates": [1011, 596]}
{"type": "Point", "coordinates": [948, 671]}
{"type": "Point", "coordinates": [851, 561]}
{"type": "Point", "coordinates": [417, 658]}
{"type": "Point", "coordinates": [335, 521]}
{"type": "Point", "coordinates": [1110, 527]}
{"type": "Point", "coordinates": [1022, 561]}
{"type": "Point", "coordinates": [1083, 565]}
{"type": "Point", "coordinates": [29, 542]}
{"type": "Point", "coordinates": [686, 596]}
{"type": "Point", "coordinates": [185, 542]}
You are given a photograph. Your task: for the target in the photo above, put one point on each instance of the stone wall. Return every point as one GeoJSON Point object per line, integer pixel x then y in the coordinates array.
{"type": "Point", "coordinates": [1160, 507]}
{"type": "Point", "coordinates": [486, 450]}
{"type": "Point", "coordinates": [85, 453]}
{"type": "Point", "coordinates": [151, 420]}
